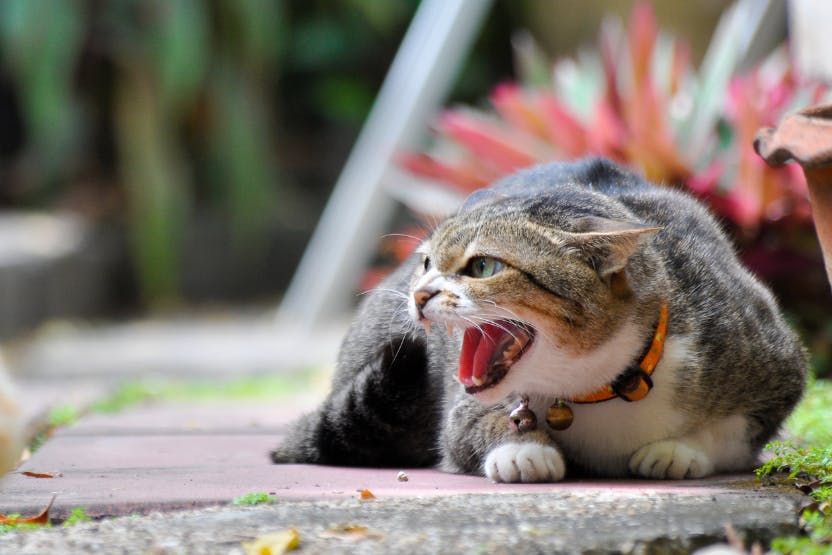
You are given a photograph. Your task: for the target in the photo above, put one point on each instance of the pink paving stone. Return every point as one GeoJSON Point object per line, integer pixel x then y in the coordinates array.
{"type": "Point", "coordinates": [168, 457]}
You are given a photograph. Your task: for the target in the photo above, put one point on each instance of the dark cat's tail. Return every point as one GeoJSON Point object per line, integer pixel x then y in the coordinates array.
{"type": "Point", "coordinates": [381, 414]}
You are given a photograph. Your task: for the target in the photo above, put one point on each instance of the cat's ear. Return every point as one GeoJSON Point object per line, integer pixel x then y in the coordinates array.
{"type": "Point", "coordinates": [608, 244]}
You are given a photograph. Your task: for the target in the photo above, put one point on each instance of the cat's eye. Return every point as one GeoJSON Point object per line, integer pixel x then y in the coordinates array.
{"type": "Point", "coordinates": [483, 267]}
{"type": "Point", "coordinates": [427, 263]}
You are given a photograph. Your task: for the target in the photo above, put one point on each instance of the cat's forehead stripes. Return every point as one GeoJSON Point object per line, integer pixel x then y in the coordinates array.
{"type": "Point", "coordinates": [449, 245]}
{"type": "Point", "coordinates": [491, 234]}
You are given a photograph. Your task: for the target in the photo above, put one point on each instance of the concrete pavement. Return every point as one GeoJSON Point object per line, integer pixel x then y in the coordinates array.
{"type": "Point", "coordinates": [160, 476]}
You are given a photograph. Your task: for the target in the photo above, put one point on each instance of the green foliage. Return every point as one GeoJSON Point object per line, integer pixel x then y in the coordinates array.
{"type": "Point", "coordinates": [817, 541]}
{"type": "Point", "coordinates": [176, 108]}
{"type": "Point", "coordinates": [127, 395]}
{"type": "Point", "coordinates": [815, 461]}
{"type": "Point", "coordinates": [76, 516]}
{"type": "Point", "coordinates": [4, 528]}
{"type": "Point", "coordinates": [63, 415]}
{"type": "Point", "coordinates": [38, 441]}
{"type": "Point", "coordinates": [254, 499]}
{"type": "Point", "coordinates": [812, 420]}
{"type": "Point", "coordinates": [241, 389]}
{"type": "Point", "coordinates": [810, 423]}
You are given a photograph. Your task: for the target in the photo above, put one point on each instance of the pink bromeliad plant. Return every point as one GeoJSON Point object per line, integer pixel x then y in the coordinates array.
{"type": "Point", "coordinates": [631, 102]}
{"type": "Point", "coordinates": [636, 100]}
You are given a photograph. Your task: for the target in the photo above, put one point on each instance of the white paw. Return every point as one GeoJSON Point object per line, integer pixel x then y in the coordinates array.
{"type": "Point", "coordinates": [671, 459]}
{"type": "Point", "coordinates": [524, 462]}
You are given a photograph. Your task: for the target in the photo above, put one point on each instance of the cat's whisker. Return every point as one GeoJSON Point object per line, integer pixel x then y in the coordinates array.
{"type": "Point", "coordinates": [403, 236]}
{"type": "Point", "coordinates": [497, 324]}
{"type": "Point", "coordinates": [400, 311]}
{"type": "Point", "coordinates": [508, 311]}
{"type": "Point", "coordinates": [394, 292]}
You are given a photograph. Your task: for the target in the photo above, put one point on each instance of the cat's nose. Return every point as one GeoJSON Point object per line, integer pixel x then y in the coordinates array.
{"type": "Point", "coordinates": [422, 296]}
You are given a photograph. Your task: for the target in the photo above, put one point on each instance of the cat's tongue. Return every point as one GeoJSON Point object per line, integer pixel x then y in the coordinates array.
{"type": "Point", "coordinates": [479, 345]}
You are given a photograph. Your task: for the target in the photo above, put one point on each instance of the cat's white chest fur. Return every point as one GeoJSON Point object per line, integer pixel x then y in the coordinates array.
{"type": "Point", "coordinates": [603, 436]}
{"type": "Point", "coordinates": [614, 437]}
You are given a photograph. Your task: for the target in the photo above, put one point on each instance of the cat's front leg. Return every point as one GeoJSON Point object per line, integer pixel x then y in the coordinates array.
{"type": "Point", "coordinates": [674, 459]}
{"type": "Point", "coordinates": [721, 446]}
{"type": "Point", "coordinates": [478, 440]}
{"type": "Point", "coordinates": [524, 461]}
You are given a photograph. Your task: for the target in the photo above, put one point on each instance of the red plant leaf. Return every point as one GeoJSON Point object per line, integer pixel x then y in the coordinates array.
{"type": "Point", "coordinates": [427, 166]}
{"type": "Point", "coordinates": [563, 129]}
{"type": "Point", "coordinates": [492, 144]}
{"type": "Point", "coordinates": [642, 40]}
{"type": "Point", "coordinates": [519, 109]}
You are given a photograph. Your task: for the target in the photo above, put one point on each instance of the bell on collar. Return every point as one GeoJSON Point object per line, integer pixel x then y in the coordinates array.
{"type": "Point", "coordinates": [559, 416]}
{"type": "Point", "coordinates": [522, 419]}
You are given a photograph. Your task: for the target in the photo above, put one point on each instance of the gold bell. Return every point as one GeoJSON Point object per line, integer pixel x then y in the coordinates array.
{"type": "Point", "coordinates": [559, 416]}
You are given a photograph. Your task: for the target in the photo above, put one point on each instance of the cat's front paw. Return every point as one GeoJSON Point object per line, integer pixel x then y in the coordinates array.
{"type": "Point", "coordinates": [524, 462]}
{"type": "Point", "coordinates": [670, 459]}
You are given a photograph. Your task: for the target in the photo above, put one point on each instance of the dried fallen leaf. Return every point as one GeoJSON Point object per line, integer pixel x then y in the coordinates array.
{"type": "Point", "coordinates": [351, 532]}
{"type": "Point", "coordinates": [365, 494]}
{"type": "Point", "coordinates": [274, 543]}
{"type": "Point", "coordinates": [42, 518]}
{"type": "Point", "coordinates": [42, 474]}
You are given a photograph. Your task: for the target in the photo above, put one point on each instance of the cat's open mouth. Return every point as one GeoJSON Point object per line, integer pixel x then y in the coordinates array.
{"type": "Point", "coordinates": [489, 351]}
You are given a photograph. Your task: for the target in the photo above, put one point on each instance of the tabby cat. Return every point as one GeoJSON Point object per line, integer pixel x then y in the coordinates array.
{"type": "Point", "coordinates": [571, 316]}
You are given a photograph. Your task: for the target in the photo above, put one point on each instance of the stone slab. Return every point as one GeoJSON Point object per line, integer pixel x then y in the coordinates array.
{"type": "Point", "coordinates": [164, 456]}
{"type": "Point", "coordinates": [596, 520]}
{"type": "Point", "coordinates": [197, 458]}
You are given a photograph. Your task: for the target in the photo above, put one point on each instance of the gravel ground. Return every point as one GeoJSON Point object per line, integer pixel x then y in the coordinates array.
{"type": "Point", "coordinates": [568, 522]}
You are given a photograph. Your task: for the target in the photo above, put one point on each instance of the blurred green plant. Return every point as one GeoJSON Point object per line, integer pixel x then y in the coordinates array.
{"type": "Point", "coordinates": [171, 110]}
{"type": "Point", "coordinates": [255, 498]}
{"type": "Point", "coordinates": [180, 76]}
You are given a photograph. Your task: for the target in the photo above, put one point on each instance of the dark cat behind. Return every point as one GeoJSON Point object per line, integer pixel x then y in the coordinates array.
{"type": "Point", "coordinates": [617, 311]}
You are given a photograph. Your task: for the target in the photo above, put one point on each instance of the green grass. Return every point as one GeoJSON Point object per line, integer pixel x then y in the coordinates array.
{"type": "Point", "coordinates": [5, 528]}
{"type": "Point", "coordinates": [132, 393]}
{"type": "Point", "coordinates": [809, 457]}
{"type": "Point", "coordinates": [241, 389]}
{"type": "Point", "coordinates": [77, 516]}
{"type": "Point", "coordinates": [254, 499]}
{"type": "Point", "coordinates": [812, 420]}
{"type": "Point", "coordinates": [62, 415]}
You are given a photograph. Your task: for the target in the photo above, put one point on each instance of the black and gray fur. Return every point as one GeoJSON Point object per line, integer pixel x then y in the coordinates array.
{"type": "Point", "coordinates": [395, 401]}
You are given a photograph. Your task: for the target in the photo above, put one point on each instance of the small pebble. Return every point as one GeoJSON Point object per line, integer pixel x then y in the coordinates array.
{"type": "Point", "coordinates": [401, 477]}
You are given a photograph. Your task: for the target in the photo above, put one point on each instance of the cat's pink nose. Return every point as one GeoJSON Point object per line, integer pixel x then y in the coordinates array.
{"type": "Point", "coordinates": [422, 296]}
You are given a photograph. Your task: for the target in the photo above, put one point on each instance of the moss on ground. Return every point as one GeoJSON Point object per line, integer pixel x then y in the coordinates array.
{"type": "Point", "coordinates": [808, 459]}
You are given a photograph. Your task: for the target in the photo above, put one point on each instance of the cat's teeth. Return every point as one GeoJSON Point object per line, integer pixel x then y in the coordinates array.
{"type": "Point", "coordinates": [511, 351]}
{"type": "Point", "coordinates": [426, 323]}
{"type": "Point", "coordinates": [477, 380]}
{"type": "Point", "coordinates": [450, 328]}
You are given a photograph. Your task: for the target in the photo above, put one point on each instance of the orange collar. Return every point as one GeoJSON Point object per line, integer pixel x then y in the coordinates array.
{"type": "Point", "coordinates": [634, 383]}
